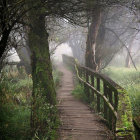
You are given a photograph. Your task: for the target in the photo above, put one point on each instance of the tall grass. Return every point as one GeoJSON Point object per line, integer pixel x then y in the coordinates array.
{"type": "Point", "coordinates": [79, 93]}
{"type": "Point", "coordinates": [15, 104]}
{"type": "Point", "coordinates": [56, 77]}
{"type": "Point", "coordinates": [15, 92]}
{"type": "Point", "coordinates": [129, 79]}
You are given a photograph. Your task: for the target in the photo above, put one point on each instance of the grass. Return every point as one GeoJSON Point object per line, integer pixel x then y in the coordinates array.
{"type": "Point", "coordinates": [56, 77]}
{"type": "Point", "coordinates": [129, 79]}
{"type": "Point", "coordinates": [15, 122]}
{"type": "Point", "coordinates": [79, 93]}
{"type": "Point", "coordinates": [15, 104]}
{"type": "Point", "coordinates": [15, 92]}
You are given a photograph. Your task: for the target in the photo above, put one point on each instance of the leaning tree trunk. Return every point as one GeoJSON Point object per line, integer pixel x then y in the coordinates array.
{"type": "Point", "coordinates": [43, 114]}
{"type": "Point", "coordinates": [90, 58]}
{"type": "Point", "coordinates": [24, 55]}
{"type": "Point", "coordinates": [128, 59]}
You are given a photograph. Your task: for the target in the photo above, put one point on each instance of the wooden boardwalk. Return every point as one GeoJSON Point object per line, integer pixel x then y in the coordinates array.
{"type": "Point", "coordinates": [77, 121]}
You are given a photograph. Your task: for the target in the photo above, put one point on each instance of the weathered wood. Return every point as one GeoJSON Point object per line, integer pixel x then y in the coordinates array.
{"type": "Point", "coordinates": [80, 74]}
{"type": "Point", "coordinates": [115, 101]}
{"type": "Point", "coordinates": [92, 83]}
{"type": "Point", "coordinates": [98, 96]}
{"type": "Point", "coordinates": [110, 111]}
{"type": "Point", "coordinates": [77, 121]}
{"type": "Point", "coordinates": [85, 86]}
{"type": "Point", "coordinates": [105, 105]}
{"type": "Point", "coordinates": [97, 92]}
{"type": "Point", "coordinates": [87, 80]}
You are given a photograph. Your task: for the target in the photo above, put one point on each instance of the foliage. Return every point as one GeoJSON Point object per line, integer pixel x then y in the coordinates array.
{"type": "Point", "coordinates": [79, 93]}
{"type": "Point", "coordinates": [15, 104]}
{"type": "Point", "coordinates": [56, 77]}
{"type": "Point", "coordinates": [128, 78]}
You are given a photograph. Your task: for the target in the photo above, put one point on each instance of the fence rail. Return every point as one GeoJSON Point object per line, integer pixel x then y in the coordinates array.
{"type": "Point", "coordinates": [109, 99]}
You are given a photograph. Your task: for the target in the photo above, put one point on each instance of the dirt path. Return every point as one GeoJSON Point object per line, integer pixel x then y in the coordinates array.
{"type": "Point", "coordinates": [78, 123]}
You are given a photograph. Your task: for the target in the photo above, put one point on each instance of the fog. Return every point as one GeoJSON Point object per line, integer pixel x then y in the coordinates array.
{"type": "Point", "coordinates": [62, 49]}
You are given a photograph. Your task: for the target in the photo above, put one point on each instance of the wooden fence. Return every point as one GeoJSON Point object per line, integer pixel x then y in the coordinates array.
{"type": "Point", "coordinates": [108, 99]}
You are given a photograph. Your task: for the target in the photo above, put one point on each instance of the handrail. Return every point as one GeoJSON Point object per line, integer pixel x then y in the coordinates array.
{"type": "Point", "coordinates": [105, 99]}
{"type": "Point", "coordinates": [115, 104]}
{"type": "Point", "coordinates": [104, 78]}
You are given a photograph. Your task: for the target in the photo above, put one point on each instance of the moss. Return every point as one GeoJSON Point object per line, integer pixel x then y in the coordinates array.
{"type": "Point", "coordinates": [124, 124]}
{"type": "Point", "coordinates": [44, 112]}
{"type": "Point", "coordinates": [137, 121]}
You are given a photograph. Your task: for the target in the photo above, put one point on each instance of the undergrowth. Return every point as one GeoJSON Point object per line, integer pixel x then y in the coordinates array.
{"type": "Point", "coordinates": [129, 79]}
{"type": "Point", "coordinates": [15, 106]}
{"type": "Point", "coordinates": [15, 92]}
{"type": "Point", "coordinates": [79, 93]}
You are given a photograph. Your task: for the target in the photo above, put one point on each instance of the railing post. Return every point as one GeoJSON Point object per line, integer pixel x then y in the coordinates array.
{"type": "Point", "coordinates": [115, 100]}
{"type": "Point", "coordinates": [110, 112]}
{"type": "Point", "coordinates": [105, 105]}
{"type": "Point", "coordinates": [115, 104]}
{"type": "Point", "coordinates": [87, 80]}
{"type": "Point", "coordinates": [92, 83]}
{"type": "Point", "coordinates": [80, 74]}
{"type": "Point", "coordinates": [98, 96]}
{"type": "Point", "coordinates": [85, 86]}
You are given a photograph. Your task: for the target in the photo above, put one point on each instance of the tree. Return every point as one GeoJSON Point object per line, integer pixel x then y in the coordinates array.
{"type": "Point", "coordinates": [44, 96]}
{"type": "Point", "coordinates": [77, 42]}
{"type": "Point", "coordinates": [11, 12]}
{"type": "Point", "coordinates": [97, 54]}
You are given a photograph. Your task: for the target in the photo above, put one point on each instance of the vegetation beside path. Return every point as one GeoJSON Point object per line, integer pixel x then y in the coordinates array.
{"type": "Point", "coordinates": [15, 104]}
{"type": "Point", "coordinates": [129, 79]}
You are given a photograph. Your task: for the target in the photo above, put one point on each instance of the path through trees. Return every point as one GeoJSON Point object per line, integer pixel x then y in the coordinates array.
{"type": "Point", "coordinates": [77, 120]}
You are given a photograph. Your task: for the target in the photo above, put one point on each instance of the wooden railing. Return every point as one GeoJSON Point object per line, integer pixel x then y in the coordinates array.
{"type": "Point", "coordinates": [107, 98]}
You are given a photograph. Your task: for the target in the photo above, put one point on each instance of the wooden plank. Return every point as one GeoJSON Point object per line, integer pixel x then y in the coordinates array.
{"type": "Point", "coordinates": [98, 96]}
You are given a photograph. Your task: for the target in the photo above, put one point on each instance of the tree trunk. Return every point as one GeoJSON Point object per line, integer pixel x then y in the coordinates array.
{"type": "Point", "coordinates": [24, 55]}
{"type": "Point", "coordinates": [128, 59]}
{"type": "Point", "coordinates": [90, 58]}
{"type": "Point", "coordinates": [3, 45]}
{"type": "Point", "coordinates": [43, 113]}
